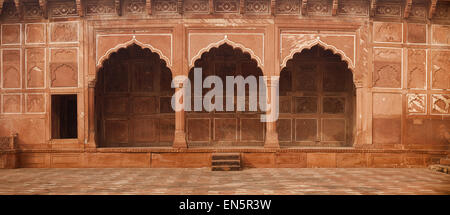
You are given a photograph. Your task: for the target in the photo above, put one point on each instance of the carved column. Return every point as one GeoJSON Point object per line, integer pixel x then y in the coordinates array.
{"type": "Point", "coordinates": [180, 134]}
{"type": "Point", "coordinates": [271, 125]}
{"type": "Point", "coordinates": [91, 111]}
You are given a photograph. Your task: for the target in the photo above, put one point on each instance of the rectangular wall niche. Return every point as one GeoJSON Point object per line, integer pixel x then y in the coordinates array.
{"type": "Point", "coordinates": [64, 117]}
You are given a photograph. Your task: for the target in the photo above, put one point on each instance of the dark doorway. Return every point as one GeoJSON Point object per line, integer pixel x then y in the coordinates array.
{"type": "Point", "coordinates": [64, 117]}
{"type": "Point", "coordinates": [133, 100]}
{"type": "Point", "coordinates": [317, 100]}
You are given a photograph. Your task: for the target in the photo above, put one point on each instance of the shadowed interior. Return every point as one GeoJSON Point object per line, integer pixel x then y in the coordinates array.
{"type": "Point", "coordinates": [317, 100]}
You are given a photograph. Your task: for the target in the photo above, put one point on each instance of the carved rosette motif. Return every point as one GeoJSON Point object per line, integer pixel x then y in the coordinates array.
{"type": "Point", "coordinates": [226, 6]}
{"type": "Point", "coordinates": [196, 6]}
{"type": "Point", "coordinates": [257, 6]}
{"type": "Point", "coordinates": [100, 8]}
{"type": "Point", "coordinates": [353, 8]}
{"type": "Point", "coordinates": [389, 10]}
{"type": "Point", "coordinates": [165, 6]}
{"type": "Point", "coordinates": [10, 11]}
{"type": "Point", "coordinates": [417, 103]}
{"type": "Point", "coordinates": [32, 10]}
{"type": "Point", "coordinates": [135, 6]}
{"type": "Point", "coordinates": [288, 7]}
{"type": "Point", "coordinates": [318, 8]}
{"type": "Point", "coordinates": [63, 9]}
{"type": "Point", "coordinates": [442, 11]}
{"type": "Point", "coordinates": [418, 12]}
{"type": "Point", "coordinates": [440, 103]}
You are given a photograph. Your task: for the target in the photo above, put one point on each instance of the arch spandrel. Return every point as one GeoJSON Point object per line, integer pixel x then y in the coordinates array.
{"type": "Point", "coordinates": [251, 43]}
{"type": "Point", "coordinates": [158, 43]}
{"type": "Point", "coordinates": [342, 45]}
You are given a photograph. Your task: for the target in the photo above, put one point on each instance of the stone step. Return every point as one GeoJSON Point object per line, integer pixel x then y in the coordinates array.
{"type": "Point", "coordinates": [445, 161]}
{"type": "Point", "coordinates": [440, 168]}
{"type": "Point", "coordinates": [226, 163]}
{"type": "Point", "coordinates": [226, 156]}
{"type": "Point", "coordinates": [226, 168]}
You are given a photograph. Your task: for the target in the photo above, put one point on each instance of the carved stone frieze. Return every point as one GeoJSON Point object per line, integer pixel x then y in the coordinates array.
{"type": "Point", "coordinates": [196, 6]}
{"type": "Point", "coordinates": [63, 9]}
{"type": "Point", "coordinates": [288, 7]}
{"type": "Point", "coordinates": [257, 6]}
{"type": "Point", "coordinates": [353, 8]}
{"type": "Point", "coordinates": [226, 6]}
{"type": "Point", "coordinates": [103, 7]}
{"type": "Point", "coordinates": [165, 6]}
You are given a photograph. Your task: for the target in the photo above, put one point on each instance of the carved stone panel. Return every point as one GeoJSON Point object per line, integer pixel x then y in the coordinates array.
{"type": "Point", "coordinates": [225, 129]}
{"type": "Point", "coordinates": [387, 68]}
{"type": "Point", "coordinates": [288, 7]}
{"type": "Point", "coordinates": [35, 33]}
{"type": "Point", "coordinates": [417, 33]}
{"type": "Point", "coordinates": [198, 130]}
{"type": "Point", "coordinates": [440, 104]}
{"type": "Point", "coordinates": [226, 6]}
{"type": "Point", "coordinates": [11, 34]}
{"type": "Point", "coordinates": [62, 9]}
{"type": "Point", "coordinates": [387, 104]}
{"type": "Point", "coordinates": [440, 73]}
{"type": "Point", "coordinates": [100, 7]}
{"type": "Point", "coordinates": [35, 103]}
{"type": "Point", "coordinates": [11, 103]}
{"type": "Point", "coordinates": [165, 6]}
{"type": "Point", "coordinates": [417, 103]}
{"type": "Point", "coordinates": [418, 11]}
{"type": "Point", "coordinates": [442, 10]}
{"type": "Point", "coordinates": [319, 8]}
{"type": "Point", "coordinates": [11, 69]}
{"type": "Point", "coordinates": [196, 6]}
{"type": "Point", "coordinates": [417, 70]}
{"type": "Point", "coordinates": [64, 67]}
{"type": "Point", "coordinates": [35, 67]}
{"type": "Point", "coordinates": [333, 130]}
{"type": "Point", "coordinates": [305, 130]}
{"type": "Point", "coordinates": [284, 129]}
{"type": "Point", "coordinates": [64, 32]}
{"type": "Point", "coordinates": [252, 130]}
{"type": "Point", "coordinates": [257, 6]}
{"type": "Point", "coordinates": [440, 34]}
{"type": "Point", "coordinates": [389, 10]}
{"type": "Point", "coordinates": [353, 8]}
{"type": "Point", "coordinates": [134, 6]}
{"type": "Point", "coordinates": [32, 10]}
{"type": "Point", "coordinates": [387, 32]}
{"type": "Point", "coordinates": [305, 105]}
{"type": "Point", "coordinates": [334, 105]}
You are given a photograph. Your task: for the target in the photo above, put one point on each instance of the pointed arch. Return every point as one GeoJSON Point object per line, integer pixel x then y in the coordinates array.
{"type": "Point", "coordinates": [317, 41]}
{"type": "Point", "coordinates": [227, 41]}
{"type": "Point", "coordinates": [129, 43]}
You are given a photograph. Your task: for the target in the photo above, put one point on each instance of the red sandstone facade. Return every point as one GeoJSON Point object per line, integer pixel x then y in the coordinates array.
{"type": "Point", "coordinates": [86, 83]}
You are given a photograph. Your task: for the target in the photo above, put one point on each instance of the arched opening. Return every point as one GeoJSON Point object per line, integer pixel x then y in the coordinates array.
{"type": "Point", "coordinates": [225, 128]}
{"type": "Point", "coordinates": [132, 100]}
{"type": "Point", "coordinates": [317, 100]}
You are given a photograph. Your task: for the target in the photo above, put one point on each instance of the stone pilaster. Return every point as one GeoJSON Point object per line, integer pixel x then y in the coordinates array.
{"type": "Point", "coordinates": [271, 125]}
{"type": "Point", "coordinates": [180, 134]}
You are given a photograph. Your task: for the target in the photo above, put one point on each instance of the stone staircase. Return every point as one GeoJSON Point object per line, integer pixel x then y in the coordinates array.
{"type": "Point", "coordinates": [226, 162]}
{"type": "Point", "coordinates": [443, 166]}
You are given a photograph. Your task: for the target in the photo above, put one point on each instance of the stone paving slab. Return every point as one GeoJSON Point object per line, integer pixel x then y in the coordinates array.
{"type": "Point", "coordinates": [203, 181]}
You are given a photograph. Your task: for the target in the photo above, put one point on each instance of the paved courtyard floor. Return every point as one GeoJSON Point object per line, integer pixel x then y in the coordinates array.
{"type": "Point", "coordinates": [204, 181]}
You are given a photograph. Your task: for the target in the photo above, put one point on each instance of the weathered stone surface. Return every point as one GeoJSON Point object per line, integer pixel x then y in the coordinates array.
{"type": "Point", "coordinates": [417, 70]}
{"type": "Point", "coordinates": [440, 34]}
{"type": "Point", "coordinates": [35, 33]}
{"type": "Point", "coordinates": [11, 34]}
{"type": "Point", "coordinates": [387, 32]}
{"type": "Point", "coordinates": [417, 33]}
{"type": "Point", "coordinates": [387, 68]}
{"type": "Point", "coordinates": [35, 67]}
{"type": "Point", "coordinates": [440, 75]}
{"type": "Point", "coordinates": [11, 68]}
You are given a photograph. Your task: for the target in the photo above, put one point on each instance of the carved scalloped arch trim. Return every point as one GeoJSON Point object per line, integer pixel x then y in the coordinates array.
{"type": "Point", "coordinates": [324, 45]}
{"type": "Point", "coordinates": [128, 43]}
{"type": "Point", "coordinates": [225, 40]}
